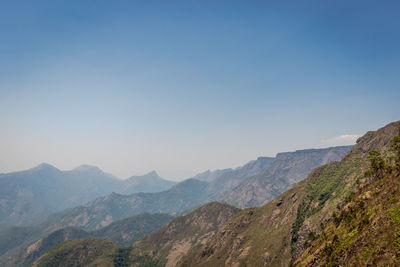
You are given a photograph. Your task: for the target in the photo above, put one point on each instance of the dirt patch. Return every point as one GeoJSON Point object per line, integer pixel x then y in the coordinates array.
{"type": "Point", "coordinates": [177, 251]}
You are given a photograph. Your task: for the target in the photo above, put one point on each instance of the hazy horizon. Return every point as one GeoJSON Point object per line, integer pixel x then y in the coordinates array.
{"type": "Point", "coordinates": [184, 86]}
{"type": "Point", "coordinates": [173, 178]}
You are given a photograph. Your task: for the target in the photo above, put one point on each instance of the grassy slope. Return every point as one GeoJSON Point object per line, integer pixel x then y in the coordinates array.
{"type": "Point", "coordinates": [126, 231]}
{"type": "Point", "coordinates": [275, 233]}
{"type": "Point", "coordinates": [192, 229]}
{"type": "Point", "coordinates": [182, 234]}
{"type": "Point", "coordinates": [366, 232]}
{"type": "Point", "coordinates": [288, 169]}
{"type": "Point", "coordinates": [123, 232]}
{"type": "Point", "coordinates": [81, 252]}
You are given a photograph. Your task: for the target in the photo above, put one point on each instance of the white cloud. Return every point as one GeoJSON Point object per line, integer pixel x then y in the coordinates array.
{"type": "Point", "coordinates": [345, 139]}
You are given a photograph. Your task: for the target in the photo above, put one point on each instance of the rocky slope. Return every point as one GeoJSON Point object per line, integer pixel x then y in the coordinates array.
{"type": "Point", "coordinates": [164, 247]}
{"type": "Point", "coordinates": [276, 233]}
{"type": "Point", "coordinates": [230, 179]}
{"type": "Point", "coordinates": [148, 183]}
{"type": "Point", "coordinates": [178, 237]}
{"type": "Point", "coordinates": [287, 169]}
{"type": "Point", "coordinates": [209, 176]}
{"type": "Point", "coordinates": [366, 231]}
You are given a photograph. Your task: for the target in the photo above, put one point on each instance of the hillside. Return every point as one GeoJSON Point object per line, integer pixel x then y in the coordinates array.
{"type": "Point", "coordinates": [181, 197]}
{"type": "Point", "coordinates": [287, 169]}
{"type": "Point", "coordinates": [209, 176]}
{"type": "Point", "coordinates": [105, 210]}
{"type": "Point", "coordinates": [37, 249]}
{"type": "Point", "coordinates": [148, 183]}
{"type": "Point", "coordinates": [126, 231]}
{"type": "Point", "coordinates": [276, 233]}
{"type": "Point", "coordinates": [178, 237]}
{"type": "Point", "coordinates": [366, 231]}
{"type": "Point", "coordinates": [81, 252]}
{"type": "Point", "coordinates": [30, 195]}
{"type": "Point", "coordinates": [230, 179]}
{"type": "Point", "coordinates": [123, 233]}
{"type": "Point", "coordinates": [166, 246]}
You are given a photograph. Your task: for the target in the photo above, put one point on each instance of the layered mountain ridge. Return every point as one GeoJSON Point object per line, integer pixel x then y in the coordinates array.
{"type": "Point", "coordinates": [110, 209]}
{"type": "Point", "coordinates": [276, 234]}
{"type": "Point", "coordinates": [286, 170]}
{"type": "Point", "coordinates": [27, 196]}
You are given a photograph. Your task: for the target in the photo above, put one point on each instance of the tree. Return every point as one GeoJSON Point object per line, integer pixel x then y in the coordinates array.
{"type": "Point", "coordinates": [377, 163]}
{"type": "Point", "coordinates": [395, 147]}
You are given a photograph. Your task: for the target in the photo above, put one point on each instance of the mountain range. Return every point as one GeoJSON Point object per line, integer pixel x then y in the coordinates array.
{"type": "Point", "coordinates": [27, 196]}
{"type": "Point", "coordinates": [192, 192]}
{"type": "Point", "coordinates": [345, 212]}
{"type": "Point", "coordinates": [277, 233]}
{"type": "Point", "coordinates": [286, 170]}
{"type": "Point", "coordinates": [138, 195]}
{"type": "Point", "coordinates": [163, 247]}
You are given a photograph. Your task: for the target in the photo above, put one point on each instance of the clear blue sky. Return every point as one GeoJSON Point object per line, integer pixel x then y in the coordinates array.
{"type": "Point", "coordinates": [184, 86]}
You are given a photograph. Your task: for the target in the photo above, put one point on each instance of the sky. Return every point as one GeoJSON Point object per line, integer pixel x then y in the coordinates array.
{"type": "Point", "coordinates": [184, 86]}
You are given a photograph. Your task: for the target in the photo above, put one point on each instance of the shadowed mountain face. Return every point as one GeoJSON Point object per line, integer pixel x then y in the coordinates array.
{"type": "Point", "coordinates": [29, 195]}
{"type": "Point", "coordinates": [148, 183]}
{"type": "Point", "coordinates": [277, 233]}
{"type": "Point", "coordinates": [209, 176]}
{"type": "Point", "coordinates": [287, 169]}
{"type": "Point", "coordinates": [105, 210]}
{"type": "Point", "coordinates": [123, 233]}
{"type": "Point", "coordinates": [81, 252]}
{"type": "Point", "coordinates": [230, 179]}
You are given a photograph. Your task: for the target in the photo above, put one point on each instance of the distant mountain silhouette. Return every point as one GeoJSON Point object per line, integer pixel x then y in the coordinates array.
{"type": "Point", "coordinates": [26, 196]}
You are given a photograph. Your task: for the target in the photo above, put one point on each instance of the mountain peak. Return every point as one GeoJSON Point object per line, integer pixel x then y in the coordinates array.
{"type": "Point", "coordinates": [152, 173]}
{"type": "Point", "coordinates": [44, 166]}
{"type": "Point", "coordinates": [376, 140]}
{"type": "Point", "coordinates": [87, 168]}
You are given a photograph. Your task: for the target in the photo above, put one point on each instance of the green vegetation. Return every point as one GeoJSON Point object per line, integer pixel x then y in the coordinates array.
{"type": "Point", "coordinates": [123, 232]}
{"type": "Point", "coordinates": [395, 148]}
{"type": "Point", "coordinates": [277, 233]}
{"type": "Point", "coordinates": [189, 230]}
{"type": "Point", "coordinates": [81, 252]}
{"type": "Point", "coordinates": [288, 169]}
{"type": "Point", "coordinates": [336, 216]}
{"type": "Point", "coordinates": [367, 229]}
{"type": "Point", "coordinates": [126, 231]}
{"type": "Point", "coordinates": [184, 233]}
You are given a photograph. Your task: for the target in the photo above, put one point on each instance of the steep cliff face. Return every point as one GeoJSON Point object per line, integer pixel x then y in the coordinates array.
{"type": "Point", "coordinates": [230, 179]}
{"type": "Point", "coordinates": [276, 233]}
{"type": "Point", "coordinates": [288, 169]}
